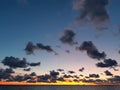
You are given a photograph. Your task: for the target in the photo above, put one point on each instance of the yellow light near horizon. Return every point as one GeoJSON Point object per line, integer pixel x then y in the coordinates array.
{"type": "Point", "coordinates": [42, 83]}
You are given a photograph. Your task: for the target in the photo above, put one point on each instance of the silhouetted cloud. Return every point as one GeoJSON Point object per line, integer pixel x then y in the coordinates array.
{"type": "Point", "coordinates": [92, 10]}
{"type": "Point", "coordinates": [43, 47]}
{"type": "Point", "coordinates": [115, 79]}
{"type": "Point", "coordinates": [5, 73]}
{"type": "Point", "coordinates": [94, 75]}
{"type": "Point", "coordinates": [75, 76]}
{"type": "Point", "coordinates": [107, 63]}
{"type": "Point", "coordinates": [82, 69]}
{"type": "Point", "coordinates": [108, 73]}
{"type": "Point", "coordinates": [9, 70]}
{"type": "Point", "coordinates": [18, 78]}
{"type": "Point", "coordinates": [60, 79]}
{"type": "Point", "coordinates": [27, 69]}
{"type": "Point", "coordinates": [30, 48]}
{"type": "Point", "coordinates": [68, 37]}
{"type": "Point", "coordinates": [60, 70]}
{"type": "Point", "coordinates": [67, 76]}
{"type": "Point", "coordinates": [44, 78]}
{"type": "Point", "coordinates": [71, 72]}
{"type": "Point", "coordinates": [54, 74]}
{"type": "Point", "coordinates": [33, 74]}
{"type": "Point", "coordinates": [13, 62]}
{"type": "Point", "coordinates": [91, 50]}
{"type": "Point", "coordinates": [34, 64]}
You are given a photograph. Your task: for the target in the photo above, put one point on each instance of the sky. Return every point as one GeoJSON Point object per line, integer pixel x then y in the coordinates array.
{"type": "Point", "coordinates": [55, 40]}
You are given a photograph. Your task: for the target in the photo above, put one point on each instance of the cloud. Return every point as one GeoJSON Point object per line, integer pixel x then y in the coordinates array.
{"type": "Point", "coordinates": [107, 63]}
{"type": "Point", "coordinates": [33, 74]}
{"type": "Point", "coordinates": [61, 79]}
{"type": "Point", "coordinates": [27, 69]}
{"type": "Point", "coordinates": [13, 62]}
{"type": "Point", "coordinates": [71, 72]}
{"type": "Point", "coordinates": [75, 76]}
{"type": "Point", "coordinates": [9, 70]}
{"type": "Point", "coordinates": [54, 74]}
{"type": "Point", "coordinates": [44, 78]}
{"type": "Point", "coordinates": [82, 69]}
{"type": "Point", "coordinates": [6, 73]}
{"type": "Point", "coordinates": [91, 50]}
{"type": "Point", "coordinates": [68, 37]}
{"type": "Point", "coordinates": [18, 78]}
{"type": "Point", "coordinates": [92, 10]}
{"type": "Point", "coordinates": [67, 76]}
{"type": "Point", "coordinates": [30, 48]}
{"type": "Point", "coordinates": [34, 64]}
{"type": "Point", "coordinates": [108, 73]}
{"type": "Point", "coordinates": [115, 79]}
{"type": "Point", "coordinates": [60, 70]}
{"type": "Point", "coordinates": [94, 75]}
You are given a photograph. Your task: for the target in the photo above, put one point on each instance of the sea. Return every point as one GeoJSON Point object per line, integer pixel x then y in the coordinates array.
{"type": "Point", "coordinates": [60, 87]}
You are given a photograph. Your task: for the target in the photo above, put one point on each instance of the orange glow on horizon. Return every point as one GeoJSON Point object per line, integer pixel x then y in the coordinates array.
{"type": "Point", "coordinates": [57, 83]}
{"type": "Point", "coordinates": [42, 83]}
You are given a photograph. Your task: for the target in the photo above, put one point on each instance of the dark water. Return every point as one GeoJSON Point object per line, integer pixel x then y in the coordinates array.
{"type": "Point", "coordinates": [59, 87]}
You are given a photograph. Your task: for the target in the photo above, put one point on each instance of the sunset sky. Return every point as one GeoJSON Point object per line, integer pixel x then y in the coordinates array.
{"type": "Point", "coordinates": [60, 40]}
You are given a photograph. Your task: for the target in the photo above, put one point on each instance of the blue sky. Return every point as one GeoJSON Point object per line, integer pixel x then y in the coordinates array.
{"type": "Point", "coordinates": [44, 21]}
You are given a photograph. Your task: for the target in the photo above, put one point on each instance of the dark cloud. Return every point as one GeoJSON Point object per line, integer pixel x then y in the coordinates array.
{"type": "Point", "coordinates": [13, 62]}
{"type": "Point", "coordinates": [107, 63]}
{"type": "Point", "coordinates": [33, 74]}
{"type": "Point", "coordinates": [60, 70]}
{"type": "Point", "coordinates": [9, 70]}
{"type": "Point", "coordinates": [94, 75]}
{"type": "Point", "coordinates": [82, 69]}
{"type": "Point", "coordinates": [115, 79]}
{"type": "Point", "coordinates": [6, 73]}
{"type": "Point", "coordinates": [18, 78]}
{"type": "Point", "coordinates": [108, 73]}
{"type": "Point", "coordinates": [91, 50]}
{"type": "Point", "coordinates": [34, 64]}
{"type": "Point", "coordinates": [76, 80]}
{"type": "Point", "coordinates": [92, 10]}
{"type": "Point", "coordinates": [81, 75]}
{"type": "Point", "coordinates": [61, 79]}
{"type": "Point", "coordinates": [67, 76]}
{"type": "Point", "coordinates": [27, 77]}
{"type": "Point", "coordinates": [71, 72]}
{"type": "Point", "coordinates": [27, 69]}
{"type": "Point", "coordinates": [30, 48]}
{"type": "Point", "coordinates": [75, 76]}
{"type": "Point", "coordinates": [68, 37]}
{"type": "Point", "coordinates": [43, 47]}
{"type": "Point", "coordinates": [44, 78]}
{"type": "Point", "coordinates": [54, 74]}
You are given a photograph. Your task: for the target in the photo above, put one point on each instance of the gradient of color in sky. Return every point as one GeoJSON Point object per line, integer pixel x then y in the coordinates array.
{"type": "Point", "coordinates": [44, 21]}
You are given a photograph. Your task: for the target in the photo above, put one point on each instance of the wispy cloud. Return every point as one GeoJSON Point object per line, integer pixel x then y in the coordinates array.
{"type": "Point", "coordinates": [93, 11]}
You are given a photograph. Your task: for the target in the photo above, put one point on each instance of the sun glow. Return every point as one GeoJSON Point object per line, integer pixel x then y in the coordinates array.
{"type": "Point", "coordinates": [42, 83]}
